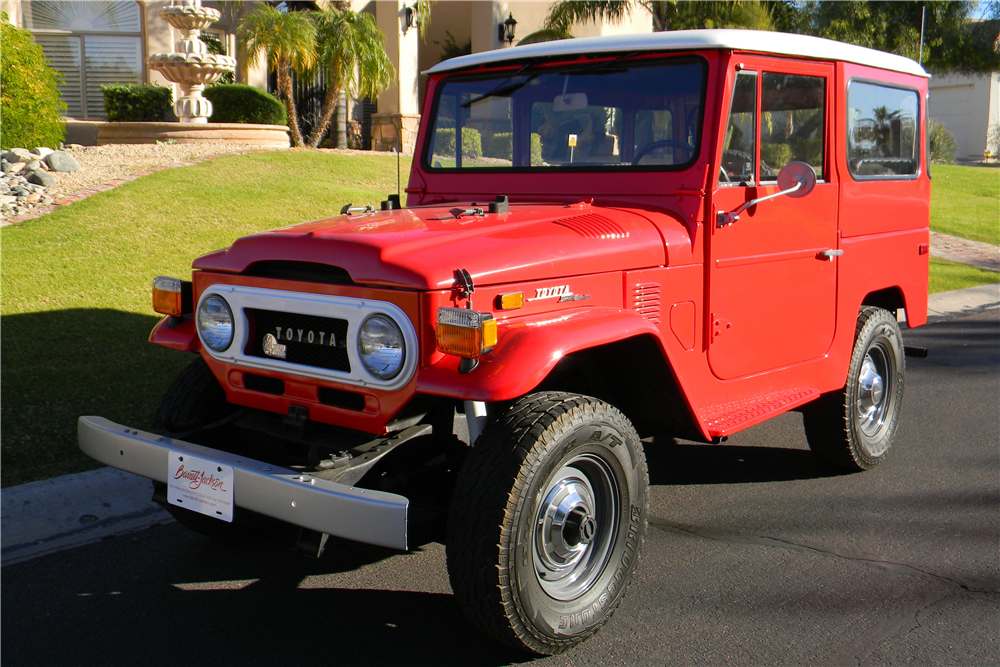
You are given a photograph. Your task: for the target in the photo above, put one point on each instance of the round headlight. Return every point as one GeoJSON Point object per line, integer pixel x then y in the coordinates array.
{"type": "Point", "coordinates": [381, 346]}
{"type": "Point", "coordinates": [215, 323]}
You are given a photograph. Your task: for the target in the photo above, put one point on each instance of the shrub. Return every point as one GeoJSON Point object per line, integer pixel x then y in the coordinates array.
{"type": "Point", "coordinates": [29, 93]}
{"type": "Point", "coordinates": [137, 104]}
{"type": "Point", "coordinates": [501, 146]}
{"type": "Point", "coordinates": [444, 142]}
{"type": "Point", "coordinates": [240, 103]}
{"type": "Point", "coordinates": [944, 148]}
{"type": "Point", "coordinates": [775, 155]}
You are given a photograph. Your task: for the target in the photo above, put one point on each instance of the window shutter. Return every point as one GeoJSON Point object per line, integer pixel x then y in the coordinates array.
{"type": "Point", "coordinates": [63, 53]}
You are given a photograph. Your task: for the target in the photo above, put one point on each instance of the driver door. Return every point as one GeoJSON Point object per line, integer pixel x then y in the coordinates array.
{"type": "Point", "coordinates": [772, 279]}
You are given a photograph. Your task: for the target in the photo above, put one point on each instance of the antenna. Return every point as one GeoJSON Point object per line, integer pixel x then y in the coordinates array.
{"type": "Point", "coordinates": [398, 194]}
{"type": "Point", "coordinates": [923, 15]}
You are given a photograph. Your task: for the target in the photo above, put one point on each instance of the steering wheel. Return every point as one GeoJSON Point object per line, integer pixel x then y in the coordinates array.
{"type": "Point", "coordinates": [662, 143]}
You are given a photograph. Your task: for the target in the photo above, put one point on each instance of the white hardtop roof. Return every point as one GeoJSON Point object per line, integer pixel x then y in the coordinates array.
{"type": "Point", "coordinates": [692, 40]}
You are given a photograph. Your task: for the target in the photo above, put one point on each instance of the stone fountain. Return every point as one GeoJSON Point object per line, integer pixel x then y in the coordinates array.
{"type": "Point", "coordinates": [191, 66]}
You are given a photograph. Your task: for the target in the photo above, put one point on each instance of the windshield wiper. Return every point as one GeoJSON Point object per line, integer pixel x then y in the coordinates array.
{"type": "Point", "coordinates": [505, 87]}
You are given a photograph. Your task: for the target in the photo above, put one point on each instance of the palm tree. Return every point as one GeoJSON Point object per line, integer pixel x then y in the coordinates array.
{"type": "Point", "coordinates": [351, 48]}
{"type": "Point", "coordinates": [666, 14]}
{"type": "Point", "coordinates": [289, 41]}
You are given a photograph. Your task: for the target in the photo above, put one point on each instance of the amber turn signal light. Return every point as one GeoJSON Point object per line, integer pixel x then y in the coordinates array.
{"type": "Point", "coordinates": [465, 333]}
{"type": "Point", "coordinates": [171, 296]}
{"type": "Point", "coordinates": [511, 301]}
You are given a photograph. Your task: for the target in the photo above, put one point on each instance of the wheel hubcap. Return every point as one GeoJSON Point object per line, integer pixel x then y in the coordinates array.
{"type": "Point", "coordinates": [575, 527]}
{"type": "Point", "coordinates": [874, 392]}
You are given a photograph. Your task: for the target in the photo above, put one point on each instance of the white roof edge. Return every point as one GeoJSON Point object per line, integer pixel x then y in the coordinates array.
{"type": "Point", "coordinates": [804, 46]}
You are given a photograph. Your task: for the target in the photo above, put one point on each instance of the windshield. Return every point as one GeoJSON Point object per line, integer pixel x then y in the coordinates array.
{"type": "Point", "coordinates": [617, 114]}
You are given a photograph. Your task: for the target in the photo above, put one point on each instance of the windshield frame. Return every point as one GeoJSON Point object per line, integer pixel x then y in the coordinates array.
{"type": "Point", "coordinates": [530, 69]}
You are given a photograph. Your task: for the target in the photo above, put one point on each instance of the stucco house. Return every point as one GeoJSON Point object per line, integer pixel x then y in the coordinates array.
{"type": "Point", "coordinates": [969, 106]}
{"type": "Point", "coordinates": [108, 41]}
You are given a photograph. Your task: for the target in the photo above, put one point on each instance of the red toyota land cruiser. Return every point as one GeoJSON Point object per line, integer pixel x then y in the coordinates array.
{"type": "Point", "coordinates": [679, 233]}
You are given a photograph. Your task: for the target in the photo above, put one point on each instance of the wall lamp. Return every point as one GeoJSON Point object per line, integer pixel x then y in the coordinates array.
{"type": "Point", "coordinates": [410, 18]}
{"type": "Point", "coordinates": [505, 31]}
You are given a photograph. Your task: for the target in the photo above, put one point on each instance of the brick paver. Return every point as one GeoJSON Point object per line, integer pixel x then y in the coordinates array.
{"type": "Point", "coordinates": [985, 255]}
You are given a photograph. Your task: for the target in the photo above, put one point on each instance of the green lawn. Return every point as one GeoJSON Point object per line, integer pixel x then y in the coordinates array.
{"type": "Point", "coordinates": [76, 313]}
{"type": "Point", "coordinates": [947, 276]}
{"type": "Point", "coordinates": [965, 202]}
{"type": "Point", "coordinates": [76, 287]}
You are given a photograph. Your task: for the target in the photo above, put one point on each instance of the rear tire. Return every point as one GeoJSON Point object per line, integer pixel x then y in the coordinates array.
{"type": "Point", "coordinates": [547, 521]}
{"type": "Point", "coordinates": [193, 400]}
{"type": "Point", "coordinates": [852, 429]}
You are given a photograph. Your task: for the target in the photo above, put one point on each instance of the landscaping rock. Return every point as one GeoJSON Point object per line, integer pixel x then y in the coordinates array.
{"type": "Point", "coordinates": [33, 198]}
{"type": "Point", "coordinates": [34, 165]}
{"type": "Point", "coordinates": [41, 178]}
{"type": "Point", "coordinates": [17, 167]}
{"type": "Point", "coordinates": [62, 161]}
{"type": "Point", "coordinates": [43, 152]}
{"type": "Point", "coordinates": [7, 199]}
{"type": "Point", "coordinates": [21, 155]}
{"type": "Point", "coordinates": [5, 166]}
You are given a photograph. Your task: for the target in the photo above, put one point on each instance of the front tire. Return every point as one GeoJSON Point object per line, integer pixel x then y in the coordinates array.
{"type": "Point", "coordinates": [193, 400]}
{"type": "Point", "coordinates": [547, 521]}
{"type": "Point", "coordinates": [853, 428]}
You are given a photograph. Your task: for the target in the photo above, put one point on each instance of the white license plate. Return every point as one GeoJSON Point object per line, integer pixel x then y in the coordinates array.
{"type": "Point", "coordinates": [200, 485]}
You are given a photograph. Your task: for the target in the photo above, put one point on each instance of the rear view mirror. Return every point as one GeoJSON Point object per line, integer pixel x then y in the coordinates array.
{"type": "Point", "coordinates": [570, 102]}
{"type": "Point", "coordinates": [796, 173]}
{"type": "Point", "coordinates": [796, 179]}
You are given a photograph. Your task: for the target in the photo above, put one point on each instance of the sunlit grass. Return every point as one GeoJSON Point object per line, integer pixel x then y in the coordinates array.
{"type": "Point", "coordinates": [965, 202]}
{"type": "Point", "coordinates": [76, 287]}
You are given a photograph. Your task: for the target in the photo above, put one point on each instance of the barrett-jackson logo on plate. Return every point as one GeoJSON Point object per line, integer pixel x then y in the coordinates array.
{"type": "Point", "coordinates": [273, 348]}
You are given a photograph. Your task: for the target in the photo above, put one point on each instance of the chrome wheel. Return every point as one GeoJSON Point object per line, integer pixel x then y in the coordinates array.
{"type": "Point", "coordinates": [853, 429]}
{"type": "Point", "coordinates": [547, 521]}
{"type": "Point", "coordinates": [575, 528]}
{"type": "Point", "coordinates": [873, 394]}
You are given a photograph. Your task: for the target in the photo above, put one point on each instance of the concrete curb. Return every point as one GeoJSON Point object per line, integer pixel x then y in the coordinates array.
{"type": "Point", "coordinates": [56, 514]}
{"type": "Point", "coordinates": [949, 305]}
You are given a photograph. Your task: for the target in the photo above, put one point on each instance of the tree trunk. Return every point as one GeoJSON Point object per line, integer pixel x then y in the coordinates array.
{"type": "Point", "coordinates": [285, 87]}
{"type": "Point", "coordinates": [326, 113]}
{"type": "Point", "coordinates": [342, 120]}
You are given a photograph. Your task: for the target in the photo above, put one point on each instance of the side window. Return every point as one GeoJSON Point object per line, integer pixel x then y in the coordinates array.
{"type": "Point", "coordinates": [739, 149]}
{"type": "Point", "coordinates": [791, 122]}
{"type": "Point", "coordinates": [882, 138]}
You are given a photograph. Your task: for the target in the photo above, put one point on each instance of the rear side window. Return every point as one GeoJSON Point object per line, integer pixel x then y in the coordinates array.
{"type": "Point", "coordinates": [882, 136]}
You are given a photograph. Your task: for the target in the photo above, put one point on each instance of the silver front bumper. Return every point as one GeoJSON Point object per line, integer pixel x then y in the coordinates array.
{"type": "Point", "coordinates": [362, 515]}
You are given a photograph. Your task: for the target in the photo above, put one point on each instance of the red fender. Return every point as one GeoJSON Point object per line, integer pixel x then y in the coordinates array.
{"type": "Point", "coordinates": [528, 350]}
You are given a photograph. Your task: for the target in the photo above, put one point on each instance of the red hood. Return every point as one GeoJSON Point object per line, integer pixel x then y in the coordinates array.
{"type": "Point", "coordinates": [421, 248]}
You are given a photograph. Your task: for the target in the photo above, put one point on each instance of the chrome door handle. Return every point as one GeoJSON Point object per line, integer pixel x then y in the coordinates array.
{"type": "Point", "coordinates": [828, 255]}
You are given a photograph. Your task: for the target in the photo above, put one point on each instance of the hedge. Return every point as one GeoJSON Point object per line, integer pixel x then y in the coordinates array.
{"type": "Point", "coordinates": [444, 142]}
{"type": "Point", "coordinates": [501, 146]}
{"type": "Point", "coordinates": [240, 103]}
{"type": "Point", "coordinates": [137, 104]}
{"type": "Point", "coordinates": [29, 97]}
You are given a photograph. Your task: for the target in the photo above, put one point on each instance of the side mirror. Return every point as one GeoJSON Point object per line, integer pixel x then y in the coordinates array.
{"type": "Point", "coordinates": [796, 179]}
{"type": "Point", "coordinates": [796, 174]}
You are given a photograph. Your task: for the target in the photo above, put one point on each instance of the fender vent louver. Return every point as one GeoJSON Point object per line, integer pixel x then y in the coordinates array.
{"type": "Point", "coordinates": [646, 301]}
{"type": "Point", "coordinates": [593, 227]}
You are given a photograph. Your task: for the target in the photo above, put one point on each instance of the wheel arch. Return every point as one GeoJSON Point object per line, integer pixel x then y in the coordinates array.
{"type": "Point", "coordinates": [889, 298]}
{"type": "Point", "coordinates": [634, 375]}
